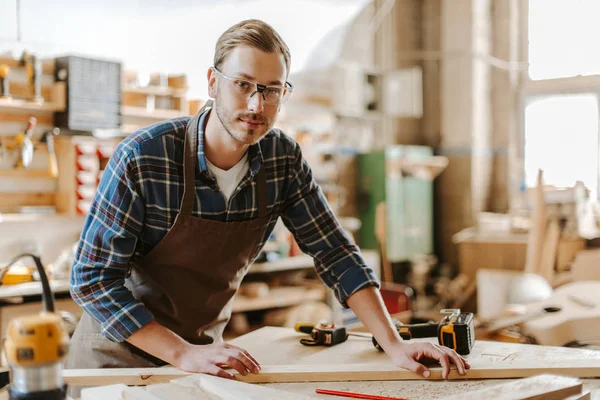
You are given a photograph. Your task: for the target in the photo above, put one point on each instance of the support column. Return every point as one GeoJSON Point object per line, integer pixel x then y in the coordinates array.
{"type": "Point", "coordinates": [463, 188]}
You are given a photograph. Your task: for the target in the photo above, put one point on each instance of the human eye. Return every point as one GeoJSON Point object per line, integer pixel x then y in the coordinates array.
{"type": "Point", "coordinates": [242, 84]}
{"type": "Point", "coordinates": [274, 92]}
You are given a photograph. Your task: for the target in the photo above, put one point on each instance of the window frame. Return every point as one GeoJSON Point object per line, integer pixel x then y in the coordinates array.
{"type": "Point", "coordinates": [529, 90]}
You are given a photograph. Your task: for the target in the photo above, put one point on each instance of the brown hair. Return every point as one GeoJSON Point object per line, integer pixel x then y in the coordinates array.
{"type": "Point", "coordinates": [254, 33]}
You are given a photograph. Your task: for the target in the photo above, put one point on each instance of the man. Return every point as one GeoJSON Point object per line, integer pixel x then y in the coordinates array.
{"type": "Point", "coordinates": [184, 208]}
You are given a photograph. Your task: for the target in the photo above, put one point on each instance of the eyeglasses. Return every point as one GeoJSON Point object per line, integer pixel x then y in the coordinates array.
{"type": "Point", "coordinates": [273, 95]}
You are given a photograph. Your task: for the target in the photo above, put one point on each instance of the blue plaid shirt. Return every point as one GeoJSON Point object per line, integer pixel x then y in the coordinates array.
{"type": "Point", "coordinates": [139, 197]}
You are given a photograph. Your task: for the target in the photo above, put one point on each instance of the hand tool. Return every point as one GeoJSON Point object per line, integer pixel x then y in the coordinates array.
{"type": "Point", "coordinates": [455, 331]}
{"type": "Point", "coordinates": [357, 395]}
{"type": "Point", "coordinates": [4, 92]}
{"type": "Point", "coordinates": [24, 145]}
{"type": "Point", "coordinates": [35, 348]}
{"type": "Point", "coordinates": [33, 65]}
{"type": "Point", "coordinates": [48, 138]}
{"type": "Point", "coordinates": [325, 334]}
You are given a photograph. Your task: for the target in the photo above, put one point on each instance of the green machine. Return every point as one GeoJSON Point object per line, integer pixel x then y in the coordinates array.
{"type": "Point", "coordinates": [402, 177]}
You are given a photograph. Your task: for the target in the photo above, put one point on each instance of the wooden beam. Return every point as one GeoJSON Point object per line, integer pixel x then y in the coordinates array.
{"type": "Point", "coordinates": [126, 376]}
{"type": "Point", "coordinates": [26, 199]}
{"type": "Point", "coordinates": [546, 387]}
{"type": "Point", "coordinates": [47, 65]}
{"type": "Point", "coordinates": [335, 373]}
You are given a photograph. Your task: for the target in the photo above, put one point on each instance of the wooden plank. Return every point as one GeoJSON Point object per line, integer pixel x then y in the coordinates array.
{"type": "Point", "coordinates": [336, 373]}
{"type": "Point", "coordinates": [538, 227]}
{"type": "Point", "coordinates": [141, 112]}
{"type": "Point", "coordinates": [24, 118]}
{"type": "Point", "coordinates": [540, 387]}
{"type": "Point", "coordinates": [23, 105]}
{"type": "Point", "coordinates": [26, 199]}
{"type": "Point", "coordinates": [22, 90]}
{"type": "Point", "coordinates": [25, 173]}
{"type": "Point", "coordinates": [126, 376]}
{"type": "Point", "coordinates": [234, 390]}
{"type": "Point", "coordinates": [581, 396]}
{"type": "Point", "coordinates": [193, 387]}
{"type": "Point", "coordinates": [156, 90]}
{"type": "Point", "coordinates": [550, 248]}
{"type": "Point", "coordinates": [47, 65]}
{"type": "Point", "coordinates": [386, 372]}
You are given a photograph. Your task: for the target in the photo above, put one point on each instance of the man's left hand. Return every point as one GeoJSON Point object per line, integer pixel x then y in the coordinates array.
{"type": "Point", "coordinates": [408, 355]}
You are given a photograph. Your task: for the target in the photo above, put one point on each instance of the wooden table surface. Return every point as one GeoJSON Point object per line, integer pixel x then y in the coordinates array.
{"type": "Point", "coordinates": [280, 346]}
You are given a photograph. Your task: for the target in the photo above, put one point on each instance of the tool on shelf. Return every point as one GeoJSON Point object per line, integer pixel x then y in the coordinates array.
{"type": "Point", "coordinates": [35, 348]}
{"type": "Point", "coordinates": [23, 145]}
{"type": "Point", "coordinates": [4, 92]}
{"type": "Point", "coordinates": [33, 65]}
{"type": "Point", "coordinates": [455, 331]}
{"type": "Point", "coordinates": [325, 334]}
{"type": "Point", "coordinates": [48, 138]}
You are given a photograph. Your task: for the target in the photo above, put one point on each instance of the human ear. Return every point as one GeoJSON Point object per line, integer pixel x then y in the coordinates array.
{"type": "Point", "coordinates": [212, 83]}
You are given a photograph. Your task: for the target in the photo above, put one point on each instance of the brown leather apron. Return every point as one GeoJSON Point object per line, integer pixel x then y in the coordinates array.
{"type": "Point", "coordinates": [187, 281]}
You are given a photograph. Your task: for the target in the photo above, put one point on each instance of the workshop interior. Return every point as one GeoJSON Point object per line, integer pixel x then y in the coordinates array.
{"type": "Point", "coordinates": [456, 143]}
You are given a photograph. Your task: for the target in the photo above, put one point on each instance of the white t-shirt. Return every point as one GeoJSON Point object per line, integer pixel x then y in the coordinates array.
{"type": "Point", "coordinates": [228, 180]}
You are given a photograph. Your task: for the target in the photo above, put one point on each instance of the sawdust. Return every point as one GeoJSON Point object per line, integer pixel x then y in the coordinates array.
{"type": "Point", "coordinates": [416, 391]}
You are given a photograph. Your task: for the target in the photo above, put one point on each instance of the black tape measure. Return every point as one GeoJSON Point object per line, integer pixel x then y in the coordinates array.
{"type": "Point", "coordinates": [325, 335]}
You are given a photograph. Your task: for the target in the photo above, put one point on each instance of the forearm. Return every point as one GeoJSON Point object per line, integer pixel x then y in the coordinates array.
{"type": "Point", "coordinates": [159, 341]}
{"type": "Point", "coordinates": [368, 306]}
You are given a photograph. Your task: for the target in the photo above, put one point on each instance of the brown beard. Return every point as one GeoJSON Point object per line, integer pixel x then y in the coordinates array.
{"type": "Point", "coordinates": [227, 122]}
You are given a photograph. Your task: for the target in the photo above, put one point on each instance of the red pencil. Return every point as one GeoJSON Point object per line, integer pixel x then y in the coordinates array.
{"type": "Point", "coordinates": [357, 395]}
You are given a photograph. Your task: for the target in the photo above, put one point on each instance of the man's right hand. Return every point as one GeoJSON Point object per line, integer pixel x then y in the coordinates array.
{"type": "Point", "coordinates": [212, 358]}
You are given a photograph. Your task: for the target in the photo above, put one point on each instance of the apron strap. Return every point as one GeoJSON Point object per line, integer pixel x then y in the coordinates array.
{"type": "Point", "coordinates": [189, 164]}
{"type": "Point", "coordinates": [261, 182]}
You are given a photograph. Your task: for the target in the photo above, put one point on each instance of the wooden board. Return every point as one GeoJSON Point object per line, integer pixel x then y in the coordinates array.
{"type": "Point", "coordinates": [540, 387]}
{"type": "Point", "coordinates": [358, 360]}
{"type": "Point", "coordinates": [193, 387]}
{"type": "Point", "coordinates": [537, 231]}
{"type": "Point", "coordinates": [577, 320]}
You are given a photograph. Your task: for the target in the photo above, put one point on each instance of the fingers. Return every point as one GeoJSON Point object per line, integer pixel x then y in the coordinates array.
{"type": "Point", "coordinates": [444, 360]}
{"type": "Point", "coordinates": [446, 355]}
{"type": "Point", "coordinates": [417, 368]}
{"type": "Point", "coordinates": [216, 371]}
{"type": "Point", "coordinates": [466, 363]}
{"type": "Point", "coordinates": [232, 362]}
{"type": "Point", "coordinates": [245, 358]}
{"type": "Point", "coordinates": [457, 360]}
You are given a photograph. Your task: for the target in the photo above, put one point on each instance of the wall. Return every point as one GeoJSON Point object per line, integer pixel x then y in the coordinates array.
{"type": "Point", "coordinates": [164, 35]}
{"type": "Point", "coordinates": [46, 235]}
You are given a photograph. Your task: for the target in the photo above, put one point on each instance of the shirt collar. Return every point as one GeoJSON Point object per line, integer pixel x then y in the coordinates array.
{"type": "Point", "coordinates": [255, 155]}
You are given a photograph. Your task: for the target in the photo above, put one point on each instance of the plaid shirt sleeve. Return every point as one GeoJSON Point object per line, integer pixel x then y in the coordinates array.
{"type": "Point", "coordinates": [309, 218]}
{"type": "Point", "coordinates": [108, 241]}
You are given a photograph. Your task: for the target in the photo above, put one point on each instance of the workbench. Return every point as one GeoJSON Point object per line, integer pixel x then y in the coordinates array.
{"type": "Point", "coordinates": [280, 346]}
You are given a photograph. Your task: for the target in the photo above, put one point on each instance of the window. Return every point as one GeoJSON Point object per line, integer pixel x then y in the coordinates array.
{"type": "Point", "coordinates": [560, 92]}
{"type": "Point", "coordinates": [563, 37]}
{"type": "Point", "coordinates": [561, 137]}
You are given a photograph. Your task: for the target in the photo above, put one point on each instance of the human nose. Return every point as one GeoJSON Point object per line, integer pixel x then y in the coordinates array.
{"type": "Point", "coordinates": [256, 102]}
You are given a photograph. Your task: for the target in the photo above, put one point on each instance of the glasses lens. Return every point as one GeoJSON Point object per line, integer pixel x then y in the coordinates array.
{"type": "Point", "coordinates": [272, 95]}
{"type": "Point", "coordinates": [243, 88]}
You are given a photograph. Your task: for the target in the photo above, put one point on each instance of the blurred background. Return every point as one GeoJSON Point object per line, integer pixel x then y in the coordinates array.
{"type": "Point", "coordinates": [456, 140]}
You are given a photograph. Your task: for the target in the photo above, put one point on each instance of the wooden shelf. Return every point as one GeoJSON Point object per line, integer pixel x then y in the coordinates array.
{"type": "Point", "coordinates": [285, 264]}
{"type": "Point", "coordinates": [279, 297]}
{"type": "Point", "coordinates": [16, 105]}
{"type": "Point", "coordinates": [57, 103]}
{"type": "Point", "coordinates": [140, 112]}
{"type": "Point", "coordinates": [25, 173]}
{"type": "Point", "coordinates": [156, 90]}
